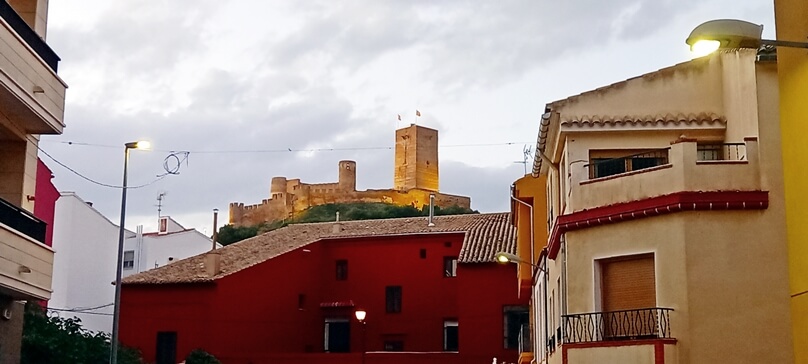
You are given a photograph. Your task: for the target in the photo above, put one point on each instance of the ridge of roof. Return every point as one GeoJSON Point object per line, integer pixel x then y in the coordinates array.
{"type": "Point", "coordinates": [484, 235]}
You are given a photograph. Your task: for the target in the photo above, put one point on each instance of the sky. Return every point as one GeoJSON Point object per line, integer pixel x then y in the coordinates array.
{"type": "Point", "coordinates": [232, 93]}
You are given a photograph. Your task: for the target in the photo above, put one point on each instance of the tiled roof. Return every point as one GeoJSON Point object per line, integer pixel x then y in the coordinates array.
{"type": "Point", "coordinates": [485, 234]}
{"type": "Point", "coordinates": [666, 120]}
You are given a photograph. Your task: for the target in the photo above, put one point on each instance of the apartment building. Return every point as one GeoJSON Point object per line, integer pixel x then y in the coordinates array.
{"type": "Point", "coordinates": [664, 219]}
{"type": "Point", "coordinates": [31, 103]}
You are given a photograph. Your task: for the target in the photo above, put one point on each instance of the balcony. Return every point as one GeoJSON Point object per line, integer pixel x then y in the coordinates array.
{"type": "Point", "coordinates": [646, 323]}
{"type": "Point", "coordinates": [685, 166]}
{"type": "Point", "coordinates": [32, 95]}
{"type": "Point", "coordinates": [26, 264]}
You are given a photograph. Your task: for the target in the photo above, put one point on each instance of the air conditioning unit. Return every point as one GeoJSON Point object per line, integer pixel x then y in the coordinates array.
{"type": "Point", "coordinates": [6, 314]}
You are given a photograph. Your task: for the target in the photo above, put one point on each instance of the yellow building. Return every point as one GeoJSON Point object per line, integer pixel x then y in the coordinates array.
{"type": "Point", "coordinates": [792, 24]}
{"type": "Point", "coordinates": [665, 220]}
{"type": "Point", "coordinates": [31, 103]}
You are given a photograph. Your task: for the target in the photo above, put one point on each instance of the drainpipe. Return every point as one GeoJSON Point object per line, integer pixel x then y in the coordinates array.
{"type": "Point", "coordinates": [546, 312]}
{"type": "Point", "coordinates": [431, 209]}
{"type": "Point", "coordinates": [532, 257]}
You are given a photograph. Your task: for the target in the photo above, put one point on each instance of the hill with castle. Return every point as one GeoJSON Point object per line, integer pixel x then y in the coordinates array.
{"type": "Point", "coordinates": [416, 177]}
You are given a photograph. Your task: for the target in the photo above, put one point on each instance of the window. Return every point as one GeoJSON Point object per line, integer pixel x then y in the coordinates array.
{"type": "Point", "coordinates": [129, 259]}
{"type": "Point", "coordinates": [628, 289]}
{"type": "Point", "coordinates": [709, 152]}
{"type": "Point", "coordinates": [514, 318]}
{"type": "Point", "coordinates": [604, 163]}
{"type": "Point", "coordinates": [342, 270]}
{"type": "Point", "coordinates": [393, 299]}
{"type": "Point", "coordinates": [301, 301]}
{"type": "Point", "coordinates": [450, 267]}
{"type": "Point", "coordinates": [423, 254]}
{"type": "Point", "coordinates": [450, 335]}
{"type": "Point", "coordinates": [393, 345]}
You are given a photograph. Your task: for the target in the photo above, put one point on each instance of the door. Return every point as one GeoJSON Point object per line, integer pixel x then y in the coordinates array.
{"type": "Point", "coordinates": [166, 347]}
{"type": "Point", "coordinates": [337, 335]}
{"type": "Point", "coordinates": [628, 290]}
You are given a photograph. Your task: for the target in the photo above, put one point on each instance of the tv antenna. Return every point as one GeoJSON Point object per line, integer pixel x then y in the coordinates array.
{"type": "Point", "coordinates": [160, 198]}
{"type": "Point", "coordinates": [527, 155]}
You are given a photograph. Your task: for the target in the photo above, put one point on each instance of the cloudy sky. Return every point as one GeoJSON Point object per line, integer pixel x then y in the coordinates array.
{"type": "Point", "coordinates": [254, 89]}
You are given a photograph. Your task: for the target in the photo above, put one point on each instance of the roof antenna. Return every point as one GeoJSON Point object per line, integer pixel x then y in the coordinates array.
{"type": "Point", "coordinates": [160, 198]}
{"type": "Point", "coordinates": [431, 210]}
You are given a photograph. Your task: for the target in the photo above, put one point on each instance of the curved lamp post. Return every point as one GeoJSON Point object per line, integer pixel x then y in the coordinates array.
{"type": "Point", "coordinates": [731, 33]}
{"type": "Point", "coordinates": [504, 258]}
{"type": "Point", "coordinates": [117, 309]}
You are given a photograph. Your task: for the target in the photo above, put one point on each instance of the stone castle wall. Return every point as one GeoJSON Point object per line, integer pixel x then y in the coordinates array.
{"type": "Point", "coordinates": [416, 177]}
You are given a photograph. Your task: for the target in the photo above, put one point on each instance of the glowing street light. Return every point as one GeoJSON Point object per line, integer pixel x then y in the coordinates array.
{"type": "Point", "coordinates": [731, 33]}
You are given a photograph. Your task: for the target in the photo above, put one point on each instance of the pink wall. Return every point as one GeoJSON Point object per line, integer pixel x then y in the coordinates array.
{"type": "Point", "coordinates": [253, 316]}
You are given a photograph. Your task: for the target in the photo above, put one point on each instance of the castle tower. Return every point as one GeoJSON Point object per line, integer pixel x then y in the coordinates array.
{"type": "Point", "coordinates": [347, 176]}
{"type": "Point", "coordinates": [416, 164]}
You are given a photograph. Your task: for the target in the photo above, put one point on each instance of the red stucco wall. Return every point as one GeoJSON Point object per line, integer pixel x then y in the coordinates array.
{"type": "Point", "coordinates": [253, 316]}
{"type": "Point", "coordinates": [45, 197]}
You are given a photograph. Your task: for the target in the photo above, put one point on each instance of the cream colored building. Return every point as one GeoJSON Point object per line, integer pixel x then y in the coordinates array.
{"type": "Point", "coordinates": [31, 103]}
{"type": "Point", "coordinates": [665, 228]}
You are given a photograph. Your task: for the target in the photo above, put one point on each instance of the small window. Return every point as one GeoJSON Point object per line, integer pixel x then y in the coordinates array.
{"type": "Point", "coordinates": [342, 270]}
{"type": "Point", "coordinates": [393, 345]}
{"type": "Point", "coordinates": [301, 301]}
{"type": "Point", "coordinates": [423, 254]}
{"type": "Point", "coordinates": [449, 267]}
{"type": "Point", "coordinates": [709, 152]}
{"type": "Point", "coordinates": [447, 244]}
{"type": "Point", "coordinates": [515, 319]}
{"type": "Point", "coordinates": [450, 335]}
{"type": "Point", "coordinates": [393, 299]}
{"type": "Point", "coordinates": [129, 259]}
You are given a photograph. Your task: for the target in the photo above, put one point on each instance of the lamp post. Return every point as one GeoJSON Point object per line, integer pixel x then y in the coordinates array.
{"type": "Point", "coordinates": [117, 306]}
{"type": "Point", "coordinates": [360, 316]}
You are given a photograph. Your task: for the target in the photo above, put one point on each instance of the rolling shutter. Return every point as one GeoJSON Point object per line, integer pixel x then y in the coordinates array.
{"type": "Point", "coordinates": [628, 283]}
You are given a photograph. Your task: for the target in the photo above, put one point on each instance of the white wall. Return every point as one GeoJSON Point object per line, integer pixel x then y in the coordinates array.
{"type": "Point", "coordinates": [86, 244]}
{"type": "Point", "coordinates": [154, 250]}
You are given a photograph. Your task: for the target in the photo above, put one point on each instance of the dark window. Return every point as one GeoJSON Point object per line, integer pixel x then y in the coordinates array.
{"type": "Point", "coordinates": [393, 299]}
{"type": "Point", "coordinates": [604, 167]}
{"type": "Point", "coordinates": [166, 347]}
{"type": "Point", "coordinates": [301, 301]}
{"type": "Point", "coordinates": [342, 270]}
{"type": "Point", "coordinates": [514, 317]}
{"type": "Point", "coordinates": [423, 253]}
{"type": "Point", "coordinates": [447, 244]}
{"type": "Point", "coordinates": [337, 336]}
{"type": "Point", "coordinates": [607, 166]}
{"type": "Point", "coordinates": [450, 335]}
{"type": "Point", "coordinates": [450, 266]}
{"type": "Point", "coordinates": [393, 345]}
{"type": "Point", "coordinates": [129, 259]}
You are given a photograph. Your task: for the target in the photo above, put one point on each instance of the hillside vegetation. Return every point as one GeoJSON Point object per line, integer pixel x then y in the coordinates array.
{"type": "Point", "coordinates": [229, 234]}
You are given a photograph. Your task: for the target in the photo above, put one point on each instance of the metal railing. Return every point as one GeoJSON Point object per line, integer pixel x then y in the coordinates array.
{"type": "Point", "coordinates": [525, 339]}
{"type": "Point", "coordinates": [29, 35]}
{"type": "Point", "coordinates": [603, 167]}
{"type": "Point", "coordinates": [645, 323]}
{"type": "Point", "coordinates": [721, 152]}
{"type": "Point", "coordinates": [21, 220]}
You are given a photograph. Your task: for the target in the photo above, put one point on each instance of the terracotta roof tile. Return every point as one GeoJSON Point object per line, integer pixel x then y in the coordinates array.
{"type": "Point", "coordinates": [485, 234]}
{"type": "Point", "coordinates": [701, 119]}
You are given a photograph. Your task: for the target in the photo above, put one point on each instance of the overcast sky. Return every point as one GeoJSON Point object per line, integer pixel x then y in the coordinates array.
{"type": "Point", "coordinates": [256, 88]}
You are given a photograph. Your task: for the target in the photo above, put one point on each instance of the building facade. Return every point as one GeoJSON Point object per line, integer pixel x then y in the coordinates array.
{"type": "Point", "coordinates": [87, 245]}
{"type": "Point", "coordinates": [662, 192]}
{"type": "Point", "coordinates": [31, 103]}
{"type": "Point", "coordinates": [415, 179]}
{"type": "Point", "coordinates": [431, 293]}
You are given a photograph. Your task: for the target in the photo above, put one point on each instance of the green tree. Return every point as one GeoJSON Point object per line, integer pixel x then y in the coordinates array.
{"type": "Point", "coordinates": [57, 340]}
{"type": "Point", "coordinates": [199, 356]}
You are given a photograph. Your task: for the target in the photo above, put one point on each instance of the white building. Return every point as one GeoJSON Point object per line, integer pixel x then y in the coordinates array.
{"type": "Point", "coordinates": [86, 244]}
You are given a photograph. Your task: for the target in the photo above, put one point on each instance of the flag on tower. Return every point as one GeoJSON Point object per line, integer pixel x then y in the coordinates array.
{"type": "Point", "coordinates": [399, 117]}
{"type": "Point", "coordinates": [417, 113]}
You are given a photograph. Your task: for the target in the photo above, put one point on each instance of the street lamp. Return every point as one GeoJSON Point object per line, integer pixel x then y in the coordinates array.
{"type": "Point", "coordinates": [360, 316]}
{"type": "Point", "coordinates": [504, 258]}
{"type": "Point", "coordinates": [731, 33]}
{"type": "Point", "coordinates": [117, 308]}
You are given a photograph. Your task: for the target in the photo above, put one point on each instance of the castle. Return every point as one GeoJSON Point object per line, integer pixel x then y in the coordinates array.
{"type": "Point", "coordinates": [415, 178]}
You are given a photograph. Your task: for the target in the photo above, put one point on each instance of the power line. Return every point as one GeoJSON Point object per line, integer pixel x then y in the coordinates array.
{"type": "Point", "coordinates": [90, 179]}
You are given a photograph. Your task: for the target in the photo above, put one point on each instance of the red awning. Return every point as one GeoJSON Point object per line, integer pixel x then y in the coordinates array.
{"type": "Point", "coordinates": [337, 304]}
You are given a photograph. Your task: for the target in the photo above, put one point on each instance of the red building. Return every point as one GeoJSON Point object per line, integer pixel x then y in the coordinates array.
{"type": "Point", "coordinates": [45, 196]}
{"type": "Point", "coordinates": [431, 293]}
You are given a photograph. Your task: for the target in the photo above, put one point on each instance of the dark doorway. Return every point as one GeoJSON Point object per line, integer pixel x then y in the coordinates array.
{"type": "Point", "coordinates": [166, 347]}
{"type": "Point", "coordinates": [337, 336]}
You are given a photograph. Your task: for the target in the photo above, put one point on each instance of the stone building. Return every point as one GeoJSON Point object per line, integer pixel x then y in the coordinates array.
{"type": "Point", "coordinates": [415, 178]}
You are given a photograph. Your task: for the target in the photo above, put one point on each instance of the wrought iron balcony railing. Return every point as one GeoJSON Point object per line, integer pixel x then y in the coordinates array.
{"type": "Point", "coordinates": [721, 152]}
{"type": "Point", "coordinates": [645, 323]}
{"type": "Point", "coordinates": [29, 35]}
{"type": "Point", "coordinates": [604, 167]}
{"type": "Point", "coordinates": [525, 339]}
{"type": "Point", "coordinates": [21, 220]}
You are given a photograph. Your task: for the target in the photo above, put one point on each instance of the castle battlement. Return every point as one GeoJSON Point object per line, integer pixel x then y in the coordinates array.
{"type": "Point", "coordinates": [415, 178]}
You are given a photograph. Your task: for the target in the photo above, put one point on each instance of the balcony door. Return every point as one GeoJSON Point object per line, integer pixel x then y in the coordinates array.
{"type": "Point", "coordinates": [628, 292]}
{"type": "Point", "coordinates": [337, 335]}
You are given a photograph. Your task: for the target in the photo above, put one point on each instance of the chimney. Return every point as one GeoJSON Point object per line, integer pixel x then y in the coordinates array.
{"type": "Point", "coordinates": [431, 209]}
{"type": "Point", "coordinates": [336, 228]}
{"type": "Point", "coordinates": [215, 231]}
{"type": "Point", "coordinates": [213, 262]}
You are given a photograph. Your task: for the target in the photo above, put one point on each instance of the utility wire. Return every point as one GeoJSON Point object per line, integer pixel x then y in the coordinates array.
{"type": "Point", "coordinates": [92, 180]}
